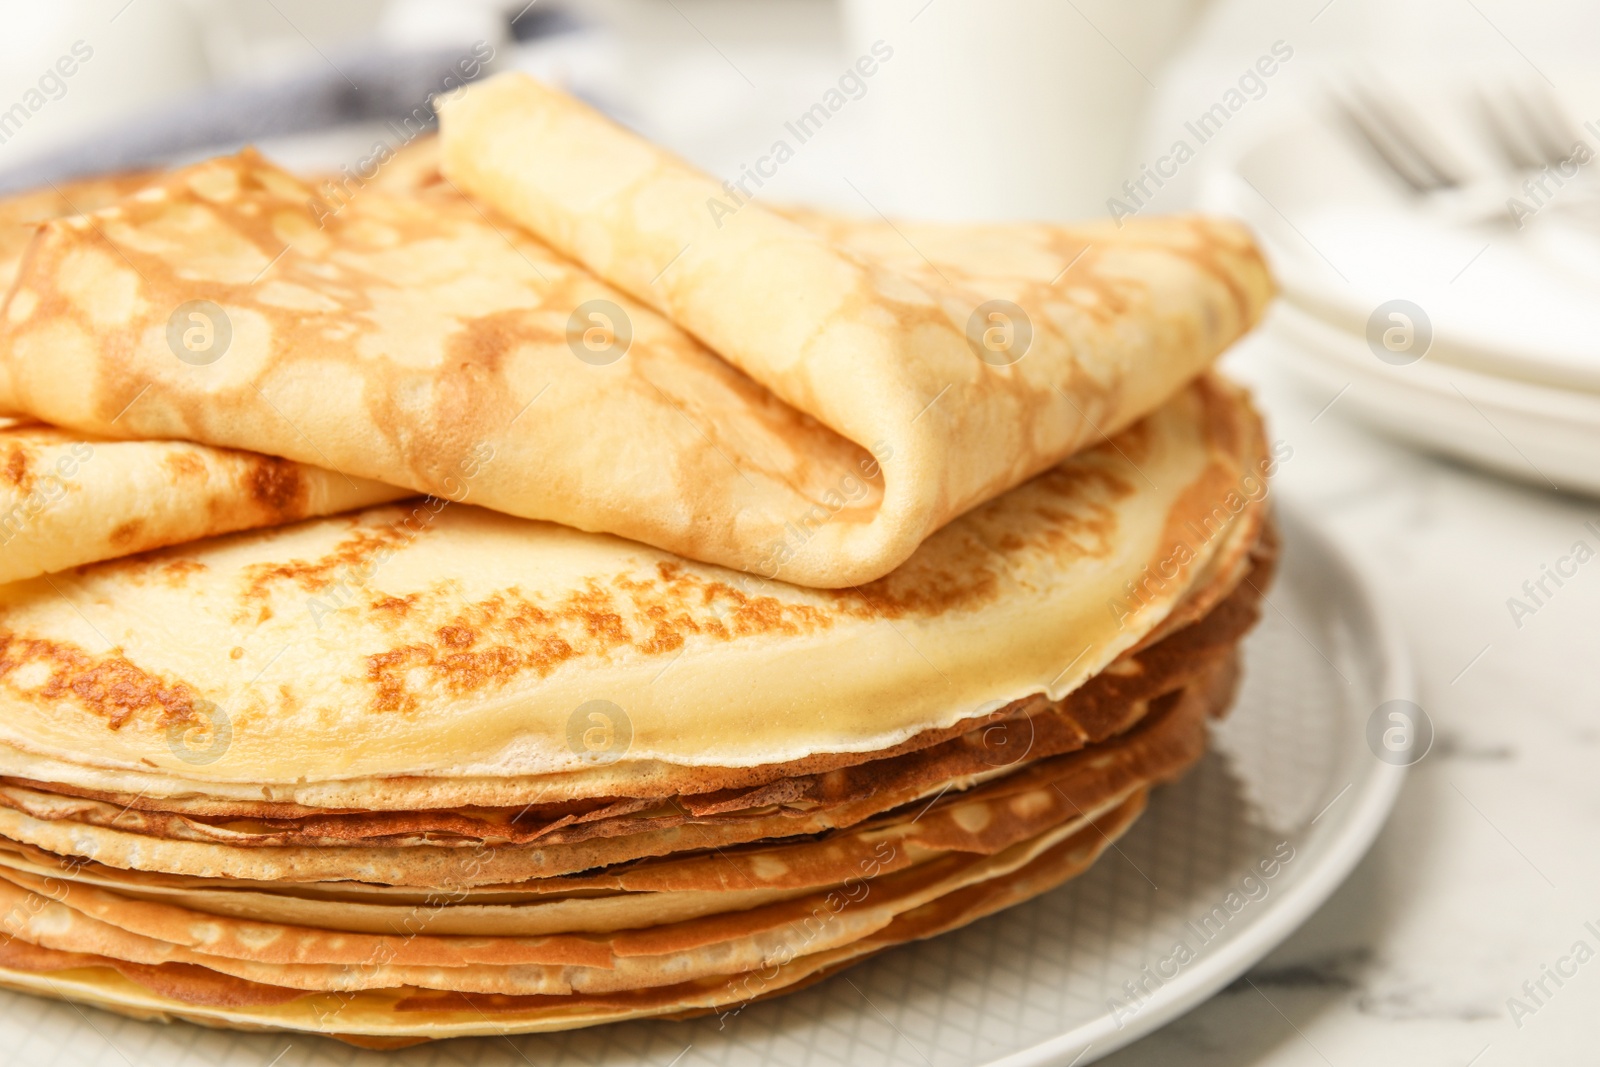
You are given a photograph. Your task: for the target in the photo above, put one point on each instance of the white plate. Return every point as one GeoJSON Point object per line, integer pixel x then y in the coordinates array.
{"type": "Point", "coordinates": [1542, 435]}
{"type": "Point", "coordinates": [1032, 985]}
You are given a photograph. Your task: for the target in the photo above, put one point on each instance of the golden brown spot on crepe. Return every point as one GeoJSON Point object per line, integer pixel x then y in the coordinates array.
{"type": "Point", "coordinates": [186, 464]}
{"type": "Point", "coordinates": [348, 555]}
{"type": "Point", "coordinates": [456, 636]}
{"type": "Point", "coordinates": [171, 565]}
{"type": "Point", "coordinates": [395, 607]}
{"type": "Point", "coordinates": [471, 388]}
{"type": "Point", "coordinates": [109, 685]}
{"type": "Point", "coordinates": [676, 609]}
{"type": "Point", "coordinates": [1217, 495]}
{"type": "Point", "coordinates": [126, 533]}
{"type": "Point", "coordinates": [489, 642]}
{"type": "Point", "coordinates": [276, 485]}
{"type": "Point", "coordinates": [1134, 443]}
{"type": "Point", "coordinates": [598, 612]}
{"type": "Point", "coordinates": [745, 615]}
{"type": "Point", "coordinates": [17, 465]}
{"type": "Point", "coordinates": [1075, 518]}
{"type": "Point", "coordinates": [493, 640]}
{"type": "Point", "coordinates": [459, 672]}
{"type": "Point", "coordinates": [686, 603]}
{"type": "Point", "coordinates": [178, 570]}
{"type": "Point", "coordinates": [936, 590]}
{"type": "Point", "coordinates": [1091, 531]}
{"type": "Point", "coordinates": [666, 632]}
{"type": "Point", "coordinates": [235, 653]}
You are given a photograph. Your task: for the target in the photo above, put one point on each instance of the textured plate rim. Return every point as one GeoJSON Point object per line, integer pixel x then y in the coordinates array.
{"type": "Point", "coordinates": [1347, 841]}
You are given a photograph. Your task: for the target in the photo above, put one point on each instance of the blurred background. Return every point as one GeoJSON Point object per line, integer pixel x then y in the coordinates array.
{"type": "Point", "coordinates": [1420, 173]}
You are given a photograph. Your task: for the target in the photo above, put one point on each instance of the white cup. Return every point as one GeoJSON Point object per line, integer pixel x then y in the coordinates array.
{"type": "Point", "coordinates": [1008, 109]}
{"type": "Point", "coordinates": [71, 67]}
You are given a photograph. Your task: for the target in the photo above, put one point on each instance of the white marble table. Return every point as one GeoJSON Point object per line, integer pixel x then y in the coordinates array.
{"type": "Point", "coordinates": [1487, 870]}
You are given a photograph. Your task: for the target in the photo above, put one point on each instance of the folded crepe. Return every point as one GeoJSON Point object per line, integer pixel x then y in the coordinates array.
{"type": "Point", "coordinates": [69, 498]}
{"type": "Point", "coordinates": [800, 397]}
{"type": "Point", "coordinates": [428, 770]}
{"type": "Point", "coordinates": [21, 214]}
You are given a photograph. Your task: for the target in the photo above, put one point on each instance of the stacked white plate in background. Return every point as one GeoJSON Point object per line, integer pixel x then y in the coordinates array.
{"type": "Point", "coordinates": [1440, 281]}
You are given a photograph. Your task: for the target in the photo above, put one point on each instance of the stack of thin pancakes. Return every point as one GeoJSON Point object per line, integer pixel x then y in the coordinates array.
{"type": "Point", "coordinates": [701, 672]}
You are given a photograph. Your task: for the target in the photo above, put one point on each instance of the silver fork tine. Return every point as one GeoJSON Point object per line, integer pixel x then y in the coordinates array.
{"type": "Point", "coordinates": [1511, 143]}
{"type": "Point", "coordinates": [1548, 123]}
{"type": "Point", "coordinates": [1392, 109]}
{"type": "Point", "coordinates": [1392, 149]}
{"type": "Point", "coordinates": [1401, 139]}
{"type": "Point", "coordinates": [1389, 154]}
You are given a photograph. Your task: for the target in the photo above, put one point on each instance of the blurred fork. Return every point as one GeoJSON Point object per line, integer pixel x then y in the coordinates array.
{"type": "Point", "coordinates": [1531, 142]}
{"type": "Point", "coordinates": [1544, 136]}
{"type": "Point", "coordinates": [1401, 140]}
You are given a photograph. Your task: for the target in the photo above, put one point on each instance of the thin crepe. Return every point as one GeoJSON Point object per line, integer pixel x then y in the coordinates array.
{"type": "Point", "coordinates": [1174, 737]}
{"type": "Point", "coordinates": [886, 334]}
{"type": "Point", "coordinates": [958, 816]}
{"type": "Point", "coordinates": [410, 335]}
{"type": "Point", "coordinates": [1103, 707]}
{"type": "Point", "coordinates": [70, 498]}
{"type": "Point", "coordinates": [452, 654]}
{"type": "Point", "coordinates": [21, 214]}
